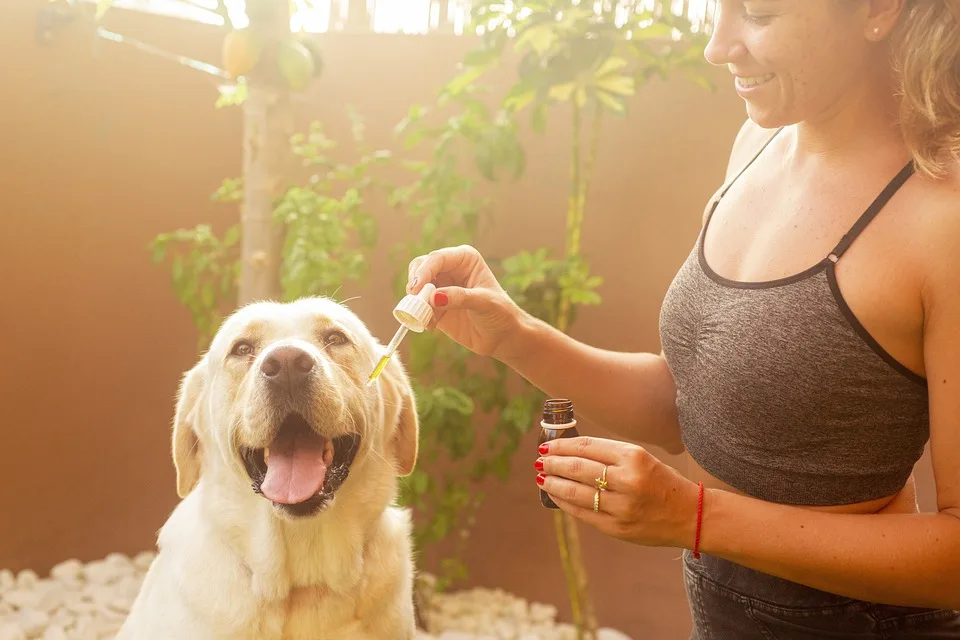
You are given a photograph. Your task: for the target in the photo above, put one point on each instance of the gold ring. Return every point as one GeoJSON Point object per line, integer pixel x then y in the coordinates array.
{"type": "Point", "coordinates": [596, 502]}
{"type": "Point", "coordinates": [602, 480]}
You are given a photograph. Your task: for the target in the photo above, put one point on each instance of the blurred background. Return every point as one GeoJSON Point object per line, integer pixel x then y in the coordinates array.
{"type": "Point", "coordinates": [576, 148]}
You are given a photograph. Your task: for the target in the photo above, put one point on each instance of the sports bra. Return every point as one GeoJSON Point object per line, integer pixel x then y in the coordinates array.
{"type": "Point", "coordinates": [781, 392]}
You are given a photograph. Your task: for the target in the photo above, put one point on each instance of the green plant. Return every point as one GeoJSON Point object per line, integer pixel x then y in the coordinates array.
{"type": "Point", "coordinates": [590, 61]}
{"type": "Point", "coordinates": [468, 148]}
{"type": "Point", "coordinates": [328, 231]}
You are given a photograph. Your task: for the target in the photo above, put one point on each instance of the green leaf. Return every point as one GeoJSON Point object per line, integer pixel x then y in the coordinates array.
{"type": "Point", "coordinates": [538, 121]}
{"type": "Point", "coordinates": [231, 95]}
{"type": "Point", "coordinates": [613, 104]}
{"type": "Point", "coordinates": [540, 38]}
{"type": "Point", "coordinates": [232, 236]}
{"type": "Point", "coordinates": [562, 92]}
{"type": "Point", "coordinates": [466, 78]}
{"type": "Point", "coordinates": [616, 84]}
{"type": "Point", "coordinates": [610, 66]}
{"type": "Point", "coordinates": [102, 7]}
{"type": "Point", "coordinates": [519, 97]}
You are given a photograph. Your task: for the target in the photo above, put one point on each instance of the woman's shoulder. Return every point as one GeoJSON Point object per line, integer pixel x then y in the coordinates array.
{"type": "Point", "coordinates": [931, 220]}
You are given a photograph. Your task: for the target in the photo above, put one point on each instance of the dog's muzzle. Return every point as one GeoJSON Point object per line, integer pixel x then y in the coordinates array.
{"type": "Point", "coordinates": [301, 469]}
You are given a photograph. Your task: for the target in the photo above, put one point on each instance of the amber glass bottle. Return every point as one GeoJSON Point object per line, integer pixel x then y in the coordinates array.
{"type": "Point", "coordinates": [557, 422]}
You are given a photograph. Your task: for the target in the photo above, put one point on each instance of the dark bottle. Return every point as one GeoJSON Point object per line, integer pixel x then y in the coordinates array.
{"type": "Point", "coordinates": [557, 422]}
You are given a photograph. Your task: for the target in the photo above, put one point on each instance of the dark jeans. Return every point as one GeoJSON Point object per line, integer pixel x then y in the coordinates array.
{"type": "Point", "coordinates": [731, 602]}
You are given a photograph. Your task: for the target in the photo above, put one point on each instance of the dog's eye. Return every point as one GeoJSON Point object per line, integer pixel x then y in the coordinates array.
{"type": "Point", "coordinates": [242, 348]}
{"type": "Point", "coordinates": [336, 338]}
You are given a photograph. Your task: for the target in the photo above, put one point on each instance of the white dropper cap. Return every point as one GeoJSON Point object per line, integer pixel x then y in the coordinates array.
{"type": "Point", "coordinates": [414, 311]}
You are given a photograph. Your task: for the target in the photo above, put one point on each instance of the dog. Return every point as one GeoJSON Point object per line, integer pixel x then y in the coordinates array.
{"type": "Point", "coordinates": [287, 462]}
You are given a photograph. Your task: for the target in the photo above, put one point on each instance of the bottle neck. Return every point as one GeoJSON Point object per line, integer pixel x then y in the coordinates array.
{"type": "Point", "coordinates": [558, 427]}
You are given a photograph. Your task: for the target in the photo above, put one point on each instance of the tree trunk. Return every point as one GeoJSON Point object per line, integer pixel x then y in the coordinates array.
{"type": "Point", "coordinates": [267, 127]}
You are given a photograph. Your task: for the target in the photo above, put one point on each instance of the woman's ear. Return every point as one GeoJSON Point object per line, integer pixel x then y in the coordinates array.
{"type": "Point", "coordinates": [400, 401]}
{"type": "Point", "coordinates": [186, 442]}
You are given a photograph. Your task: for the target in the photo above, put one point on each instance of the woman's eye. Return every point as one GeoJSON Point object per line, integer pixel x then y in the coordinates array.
{"type": "Point", "coordinates": [242, 349]}
{"type": "Point", "coordinates": [761, 20]}
{"type": "Point", "coordinates": [336, 338]}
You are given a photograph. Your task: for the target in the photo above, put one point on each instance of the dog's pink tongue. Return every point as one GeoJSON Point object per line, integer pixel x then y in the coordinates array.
{"type": "Point", "coordinates": [295, 469]}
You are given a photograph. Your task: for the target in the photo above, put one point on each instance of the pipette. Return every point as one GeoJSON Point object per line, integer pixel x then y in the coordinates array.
{"type": "Point", "coordinates": [413, 313]}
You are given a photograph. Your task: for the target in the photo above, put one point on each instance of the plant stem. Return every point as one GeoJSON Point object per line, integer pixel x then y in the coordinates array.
{"type": "Point", "coordinates": [559, 522]}
{"type": "Point", "coordinates": [568, 538]}
{"type": "Point", "coordinates": [267, 127]}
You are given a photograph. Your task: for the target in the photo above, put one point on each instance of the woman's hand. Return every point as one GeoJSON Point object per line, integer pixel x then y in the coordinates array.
{"type": "Point", "coordinates": [470, 306]}
{"type": "Point", "coordinates": [645, 501]}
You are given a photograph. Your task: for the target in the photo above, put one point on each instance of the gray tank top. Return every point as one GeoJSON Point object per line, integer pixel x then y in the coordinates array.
{"type": "Point", "coordinates": [781, 392]}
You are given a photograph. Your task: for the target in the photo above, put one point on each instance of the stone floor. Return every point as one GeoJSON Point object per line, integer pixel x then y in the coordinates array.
{"type": "Point", "coordinates": [90, 601]}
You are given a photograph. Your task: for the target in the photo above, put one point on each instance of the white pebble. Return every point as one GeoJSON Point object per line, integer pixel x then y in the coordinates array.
{"type": "Point", "coordinates": [27, 578]}
{"type": "Point", "coordinates": [54, 632]}
{"type": "Point", "coordinates": [11, 631]}
{"type": "Point", "coordinates": [68, 571]}
{"type": "Point", "coordinates": [33, 622]}
{"type": "Point", "coordinates": [7, 581]}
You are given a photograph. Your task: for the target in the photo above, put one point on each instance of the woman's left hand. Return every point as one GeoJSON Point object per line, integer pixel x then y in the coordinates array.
{"type": "Point", "coordinates": [645, 501]}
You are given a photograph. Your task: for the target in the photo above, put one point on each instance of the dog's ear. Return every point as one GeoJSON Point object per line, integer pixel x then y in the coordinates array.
{"type": "Point", "coordinates": [186, 443]}
{"type": "Point", "coordinates": [405, 439]}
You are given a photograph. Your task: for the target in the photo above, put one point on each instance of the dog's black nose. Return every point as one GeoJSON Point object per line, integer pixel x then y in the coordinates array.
{"type": "Point", "coordinates": [288, 367]}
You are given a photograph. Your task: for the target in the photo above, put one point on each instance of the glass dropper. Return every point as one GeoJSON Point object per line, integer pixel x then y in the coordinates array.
{"type": "Point", "coordinates": [414, 313]}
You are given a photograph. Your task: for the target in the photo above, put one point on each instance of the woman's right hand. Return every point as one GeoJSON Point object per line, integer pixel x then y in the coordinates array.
{"type": "Point", "coordinates": [469, 305]}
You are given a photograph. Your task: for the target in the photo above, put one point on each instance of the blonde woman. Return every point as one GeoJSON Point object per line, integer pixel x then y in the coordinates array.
{"type": "Point", "coordinates": [811, 341]}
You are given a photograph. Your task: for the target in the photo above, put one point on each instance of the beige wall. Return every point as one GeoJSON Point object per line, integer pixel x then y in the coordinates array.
{"type": "Point", "coordinates": [103, 147]}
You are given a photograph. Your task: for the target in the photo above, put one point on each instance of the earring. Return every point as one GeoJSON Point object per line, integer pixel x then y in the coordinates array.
{"type": "Point", "coordinates": [876, 31]}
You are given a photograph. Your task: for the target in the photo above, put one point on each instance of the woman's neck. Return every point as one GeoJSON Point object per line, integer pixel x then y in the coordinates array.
{"type": "Point", "coordinates": [863, 121]}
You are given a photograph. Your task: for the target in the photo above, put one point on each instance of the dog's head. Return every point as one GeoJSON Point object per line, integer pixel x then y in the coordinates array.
{"type": "Point", "coordinates": [281, 401]}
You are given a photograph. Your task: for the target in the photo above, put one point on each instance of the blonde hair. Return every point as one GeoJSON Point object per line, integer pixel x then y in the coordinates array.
{"type": "Point", "coordinates": [927, 59]}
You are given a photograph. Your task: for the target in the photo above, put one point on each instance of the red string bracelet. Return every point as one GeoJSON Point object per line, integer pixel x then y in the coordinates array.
{"type": "Point", "coordinates": [696, 540]}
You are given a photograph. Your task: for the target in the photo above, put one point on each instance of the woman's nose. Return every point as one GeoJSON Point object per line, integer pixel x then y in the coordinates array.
{"type": "Point", "coordinates": [725, 45]}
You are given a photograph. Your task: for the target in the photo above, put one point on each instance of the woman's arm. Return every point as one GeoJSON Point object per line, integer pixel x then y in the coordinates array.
{"type": "Point", "coordinates": [903, 559]}
{"type": "Point", "coordinates": [632, 394]}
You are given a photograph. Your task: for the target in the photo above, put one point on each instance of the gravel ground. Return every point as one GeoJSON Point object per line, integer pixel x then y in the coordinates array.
{"type": "Point", "coordinates": [89, 602]}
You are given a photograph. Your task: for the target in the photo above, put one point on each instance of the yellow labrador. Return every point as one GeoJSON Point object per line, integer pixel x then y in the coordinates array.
{"type": "Point", "coordinates": [287, 463]}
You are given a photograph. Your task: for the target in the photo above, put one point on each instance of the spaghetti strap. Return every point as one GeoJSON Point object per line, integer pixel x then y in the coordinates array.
{"type": "Point", "coordinates": [743, 170]}
{"type": "Point", "coordinates": [875, 207]}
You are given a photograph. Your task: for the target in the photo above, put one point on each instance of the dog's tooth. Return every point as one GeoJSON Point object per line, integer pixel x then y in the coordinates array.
{"type": "Point", "coordinates": [266, 454]}
{"type": "Point", "coordinates": [328, 453]}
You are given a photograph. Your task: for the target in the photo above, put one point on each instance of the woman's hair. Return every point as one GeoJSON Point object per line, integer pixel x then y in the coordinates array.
{"type": "Point", "coordinates": [927, 59]}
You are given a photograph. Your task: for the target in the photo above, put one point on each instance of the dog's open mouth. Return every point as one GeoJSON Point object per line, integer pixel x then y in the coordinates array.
{"type": "Point", "coordinates": [301, 470]}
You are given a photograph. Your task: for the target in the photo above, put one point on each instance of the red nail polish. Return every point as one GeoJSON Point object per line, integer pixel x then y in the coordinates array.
{"type": "Point", "coordinates": [543, 448]}
{"type": "Point", "coordinates": [440, 299]}
{"type": "Point", "coordinates": [540, 478]}
{"type": "Point", "coordinates": [538, 465]}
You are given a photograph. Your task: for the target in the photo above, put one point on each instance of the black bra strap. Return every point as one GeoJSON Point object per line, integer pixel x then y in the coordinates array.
{"type": "Point", "coordinates": [892, 187]}
{"type": "Point", "coordinates": [741, 172]}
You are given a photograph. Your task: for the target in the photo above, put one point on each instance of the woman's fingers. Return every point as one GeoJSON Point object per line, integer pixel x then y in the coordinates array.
{"type": "Point", "coordinates": [580, 495]}
{"type": "Point", "coordinates": [584, 471]}
{"type": "Point", "coordinates": [455, 262]}
{"type": "Point", "coordinates": [412, 270]}
{"type": "Point", "coordinates": [599, 449]}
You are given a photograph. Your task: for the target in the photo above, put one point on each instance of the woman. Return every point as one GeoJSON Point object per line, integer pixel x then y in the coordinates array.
{"type": "Point", "coordinates": [811, 340]}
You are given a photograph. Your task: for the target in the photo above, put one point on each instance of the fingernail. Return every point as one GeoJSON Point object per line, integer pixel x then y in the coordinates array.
{"type": "Point", "coordinates": [538, 465]}
{"type": "Point", "coordinates": [440, 299]}
{"type": "Point", "coordinates": [413, 283]}
{"type": "Point", "coordinates": [543, 448]}
{"type": "Point", "coordinates": [541, 478]}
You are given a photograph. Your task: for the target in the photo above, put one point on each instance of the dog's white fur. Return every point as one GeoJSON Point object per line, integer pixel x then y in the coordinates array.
{"type": "Point", "coordinates": [232, 567]}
